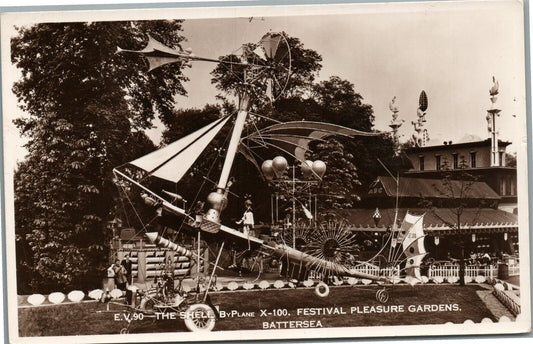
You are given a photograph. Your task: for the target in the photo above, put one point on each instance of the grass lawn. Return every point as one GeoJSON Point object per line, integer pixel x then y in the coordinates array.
{"type": "Point", "coordinates": [78, 319]}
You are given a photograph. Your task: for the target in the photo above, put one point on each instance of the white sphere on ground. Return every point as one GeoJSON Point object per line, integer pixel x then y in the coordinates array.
{"type": "Point", "coordinates": [233, 285]}
{"type": "Point", "coordinates": [468, 279]}
{"type": "Point", "coordinates": [279, 284]}
{"type": "Point", "coordinates": [218, 286]}
{"type": "Point", "coordinates": [351, 280]}
{"type": "Point", "coordinates": [264, 284]}
{"type": "Point", "coordinates": [366, 281]}
{"type": "Point", "coordinates": [438, 279]}
{"type": "Point", "coordinates": [424, 279]}
{"type": "Point", "coordinates": [96, 294]}
{"type": "Point", "coordinates": [248, 285]}
{"type": "Point", "coordinates": [486, 321]}
{"type": "Point", "coordinates": [468, 321]}
{"type": "Point", "coordinates": [56, 297]}
{"type": "Point", "coordinates": [452, 279]}
{"type": "Point", "coordinates": [308, 283]}
{"type": "Point", "coordinates": [504, 318]}
{"type": "Point", "coordinates": [480, 279]}
{"type": "Point", "coordinates": [36, 299]}
{"type": "Point", "coordinates": [499, 286]}
{"type": "Point", "coordinates": [76, 295]}
{"type": "Point", "coordinates": [116, 293]}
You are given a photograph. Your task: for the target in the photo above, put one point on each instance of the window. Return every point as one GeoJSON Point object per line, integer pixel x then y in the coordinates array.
{"type": "Point", "coordinates": [500, 158]}
{"type": "Point", "coordinates": [437, 162]}
{"type": "Point", "coordinates": [421, 163]}
{"type": "Point", "coordinates": [455, 161]}
{"type": "Point", "coordinates": [472, 159]}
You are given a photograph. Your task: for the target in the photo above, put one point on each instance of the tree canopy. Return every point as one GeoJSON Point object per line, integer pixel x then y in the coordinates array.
{"type": "Point", "coordinates": [86, 108]}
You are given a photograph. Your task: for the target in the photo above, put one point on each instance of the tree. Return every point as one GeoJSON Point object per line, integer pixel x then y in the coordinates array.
{"type": "Point", "coordinates": [456, 189]}
{"type": "Point", "coordinates": [510, 159]}
{"type": "Point", "coordinates": [304, 67]}
{"type": "Point", "coordinates": [85, 109]}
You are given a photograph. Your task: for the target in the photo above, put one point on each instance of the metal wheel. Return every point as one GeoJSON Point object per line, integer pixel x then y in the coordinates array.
{"type": "Point", "coordinates": [200, 317]}
{"type": "Point", "coordinates": [322, 289]}
{"type": "Point", "coordinates": [148, 305]}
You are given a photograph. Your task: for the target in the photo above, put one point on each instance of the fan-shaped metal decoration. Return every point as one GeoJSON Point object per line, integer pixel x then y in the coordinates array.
{"type": "Point", "coordinates": [331, 243]}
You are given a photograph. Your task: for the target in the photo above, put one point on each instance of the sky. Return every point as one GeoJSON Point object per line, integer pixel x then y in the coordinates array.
{"type": "Point", "coordinates": [451, 54]}
{"type": "Point", "coordinates": [449, 50]}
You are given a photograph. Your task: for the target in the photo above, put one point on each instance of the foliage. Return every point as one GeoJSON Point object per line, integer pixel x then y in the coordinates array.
{"type": "Point", "coordinates": [85, 108]}
{"type": "Point", "coordinates": [252, 78]}
{"type": "Point", "coordinates": [333, 100]}
{"type": "Point", "coordinates": [510, 160]}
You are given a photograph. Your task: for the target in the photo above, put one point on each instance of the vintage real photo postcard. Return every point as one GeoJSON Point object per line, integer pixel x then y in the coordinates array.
{"type": "Point", "coordinates": [230, 173]}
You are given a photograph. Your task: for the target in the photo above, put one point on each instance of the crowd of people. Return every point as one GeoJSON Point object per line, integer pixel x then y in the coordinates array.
{"type": "Point", "coordinates": [119, 274]}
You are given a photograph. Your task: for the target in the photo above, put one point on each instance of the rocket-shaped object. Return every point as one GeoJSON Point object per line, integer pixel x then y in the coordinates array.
{"type": "Point", "coordinates": [310, 261]}
{"type": "Point", "coordinates": [155, 238]}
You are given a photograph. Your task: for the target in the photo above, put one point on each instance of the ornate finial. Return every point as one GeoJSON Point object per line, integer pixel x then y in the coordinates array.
{"type": "Point", "coordinates": [421, 136]}
{"type": "Point", "coordinates": [392, 106]}
{"type": "Point", "coordinates": [495, 87]}
{"type": "Point", "coordinates": [395, 123]}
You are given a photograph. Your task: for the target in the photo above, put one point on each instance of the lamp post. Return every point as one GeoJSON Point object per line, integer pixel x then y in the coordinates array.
{"type": "Point", "coordinates": [274, 172]}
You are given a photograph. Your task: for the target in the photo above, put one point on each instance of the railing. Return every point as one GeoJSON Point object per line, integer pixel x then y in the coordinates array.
{"type": "Point", "coordinates": [514, 269]}
{"type": "Point", "coordinates": [367, 269]}
{"type": "Point", "coordinates": [471, 271]}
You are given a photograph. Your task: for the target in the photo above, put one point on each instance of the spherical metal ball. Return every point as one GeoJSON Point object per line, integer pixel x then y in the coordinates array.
{"type": "Point", "coordinates": [307, 169]}
{"type": "Point", "coordinates": [268, 169]}
{"type": "Point", "coordinates": [280, 165]}
{"type": "Point", "coordinates": [217, 201]}
{"type": "Point", "coordinates": [319, 167]}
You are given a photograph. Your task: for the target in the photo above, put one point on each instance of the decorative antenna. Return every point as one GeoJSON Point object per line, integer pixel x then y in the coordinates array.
{"type": "Point", "coordinates": [395, 124]}
{"type": "Point", "coordinates": [491, 123]}
{"type": "Point", "coordinates": [421, 137]}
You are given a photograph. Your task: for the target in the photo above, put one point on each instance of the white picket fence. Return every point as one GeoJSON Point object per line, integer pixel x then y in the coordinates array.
{"type": "Point", "coordinates": [368, 269]}
{"type": "Point", "coordinates": [514, 269]}
{"type": "Point", "coordinates": [470, 271]}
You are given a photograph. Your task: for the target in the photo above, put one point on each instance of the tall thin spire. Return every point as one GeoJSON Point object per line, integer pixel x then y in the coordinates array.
{"type": "Point", "coordinates": [492, 113]}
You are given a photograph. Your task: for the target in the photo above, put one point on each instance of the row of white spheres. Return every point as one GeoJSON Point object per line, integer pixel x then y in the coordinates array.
{"type": "Point", "coordinates": [278, 165]}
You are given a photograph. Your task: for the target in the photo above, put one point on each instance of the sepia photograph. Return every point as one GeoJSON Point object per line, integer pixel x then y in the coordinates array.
{"type": "Point", "coordinates": [251, 172]}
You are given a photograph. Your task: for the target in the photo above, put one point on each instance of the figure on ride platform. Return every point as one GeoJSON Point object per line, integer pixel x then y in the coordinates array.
{"type": "Point", "coordinates": [247, 219]}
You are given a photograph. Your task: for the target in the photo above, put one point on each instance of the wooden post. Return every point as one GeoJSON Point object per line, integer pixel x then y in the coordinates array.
{"type": "Point", "coordinates": [141, 266]}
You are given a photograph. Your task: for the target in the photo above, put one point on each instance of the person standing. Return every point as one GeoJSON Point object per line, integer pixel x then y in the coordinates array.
{"type": "Point", "coordinates": [247, 219]}
{"type": "Point", "coordinates": [120, 275]}
{"type": "Point", "coordinates": [127, 264]}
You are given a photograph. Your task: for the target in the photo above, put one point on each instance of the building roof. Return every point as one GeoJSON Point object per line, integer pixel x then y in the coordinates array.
{"type": "Point", "coordinates": [471, 144]}
{"type": "Point", "coordinates": [435, 220]}
{"type": "Point", "coordinates": [433, 188]}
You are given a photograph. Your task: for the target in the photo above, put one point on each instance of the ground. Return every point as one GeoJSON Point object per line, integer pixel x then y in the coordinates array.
{"type": "Point", "coordinates": [352, 305]}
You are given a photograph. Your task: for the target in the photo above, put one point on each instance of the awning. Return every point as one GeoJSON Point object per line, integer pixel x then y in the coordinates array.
{"type": "Point", "coordinates": [438, 221]}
